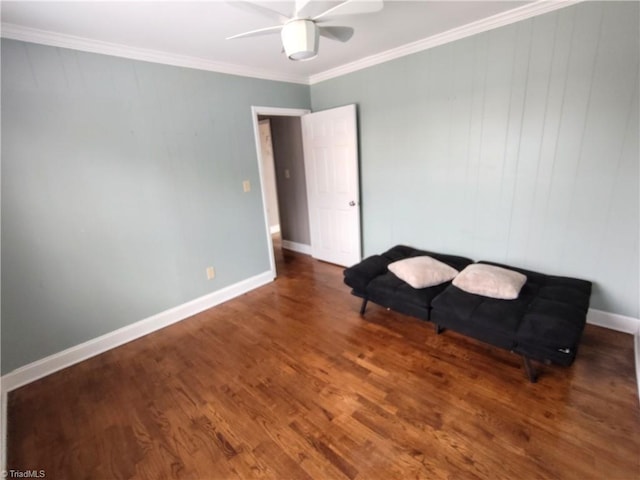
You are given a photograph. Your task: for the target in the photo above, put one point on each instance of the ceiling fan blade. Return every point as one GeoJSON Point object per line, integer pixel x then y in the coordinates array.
{"type": "Point", "coordinates": [254, 7]}
{"type": "Point", "coordinates": [302, 8]}
{"type": "Point", "coordinates": [351, 7]}
{"type": "Point", "coordinates": [256, 33]}
{"type": "Point", "coordinates": [341, 34]}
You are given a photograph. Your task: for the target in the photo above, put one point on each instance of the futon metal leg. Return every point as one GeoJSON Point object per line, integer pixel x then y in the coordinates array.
{"type": "Point", "coordinates": [531, 373]}
{"type": "Point", "coordinates": [364, 306]}
{"type": "Point", "coordinates": [439, 329]}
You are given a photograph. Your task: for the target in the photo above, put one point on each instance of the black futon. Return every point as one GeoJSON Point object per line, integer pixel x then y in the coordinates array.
{"type": "Point", "coordinates": [544, 323]}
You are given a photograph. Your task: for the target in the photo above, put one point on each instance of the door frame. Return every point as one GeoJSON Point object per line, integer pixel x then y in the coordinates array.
{"type": "Point", "coordinates": [276, 112]}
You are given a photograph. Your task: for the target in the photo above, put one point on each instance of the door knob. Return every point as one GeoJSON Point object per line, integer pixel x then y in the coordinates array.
{"type": "Point", "coordinates": [352, 203]}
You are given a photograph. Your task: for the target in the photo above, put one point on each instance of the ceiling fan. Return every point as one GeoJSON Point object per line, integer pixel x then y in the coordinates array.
{"type": "Point", "coordinates": [300, 32]}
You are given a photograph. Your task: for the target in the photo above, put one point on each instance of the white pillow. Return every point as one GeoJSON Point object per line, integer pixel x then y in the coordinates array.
{"type": "Point", "coordinates": [422, 272]}
{"type": "Point", "coordinates": [490, 281]}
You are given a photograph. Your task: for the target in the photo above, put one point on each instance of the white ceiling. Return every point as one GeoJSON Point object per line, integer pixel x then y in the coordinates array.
{"type": "Point", "coordinates": [193, 33]}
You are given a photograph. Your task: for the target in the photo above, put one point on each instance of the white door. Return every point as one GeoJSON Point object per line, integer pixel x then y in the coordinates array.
{"type": "Point", "coordinates": [331, 166]}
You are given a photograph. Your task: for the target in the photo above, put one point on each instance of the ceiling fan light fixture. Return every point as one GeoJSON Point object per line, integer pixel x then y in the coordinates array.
{"type": "Point", "coordinates": [300, 39]}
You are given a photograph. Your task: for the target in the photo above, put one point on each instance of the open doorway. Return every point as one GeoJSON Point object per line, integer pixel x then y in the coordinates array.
{"type": "Point", "coordinates": [317, 182]}
{"type": "Point", "coordinates": [282, 176]}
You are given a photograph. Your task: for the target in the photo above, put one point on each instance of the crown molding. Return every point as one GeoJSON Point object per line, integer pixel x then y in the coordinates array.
{"type": "Point", "coordinates": [473, 28]}
{"type": "Point", "coordinates": [26, 34]}
{"type": "Point", "coordinates": [44, 37]}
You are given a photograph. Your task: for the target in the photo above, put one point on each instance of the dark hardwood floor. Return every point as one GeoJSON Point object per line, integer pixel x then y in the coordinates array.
{"type": "Point", "coordinates": [289, 382]}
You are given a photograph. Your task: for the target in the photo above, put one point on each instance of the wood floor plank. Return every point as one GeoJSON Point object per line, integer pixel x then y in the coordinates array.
{"type": "Point", "coordinates": [289, 381]}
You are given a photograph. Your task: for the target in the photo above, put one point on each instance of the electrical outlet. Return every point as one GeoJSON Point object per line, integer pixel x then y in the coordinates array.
{"type": "Point", "coordinates": [286, 173]}
{"type": "Point", "coordinates": [211, 273]}
{"type": "Point", "coordinates": [246, 186]}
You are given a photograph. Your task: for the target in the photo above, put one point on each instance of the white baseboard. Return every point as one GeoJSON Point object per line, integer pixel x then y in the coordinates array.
{"type": "Point", "coordinates": [274, 229]}
{"type": "Point", "coordinates": [3, 431]}
{"type": "Point", "coordinates": [78, 353]}
{"type": "Point", "coordinates": [296, 247]}
{"type": "Point", "coordinates": [636, 345]}
{"type": "Point", "coordinates": [620, 323]}
{"type": "Point", "coordinates": [613, 321]}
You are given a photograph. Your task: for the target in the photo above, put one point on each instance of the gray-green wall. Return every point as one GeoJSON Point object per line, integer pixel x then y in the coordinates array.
{"type": "Point", "coordinates": [121, 182]}
{"type": "Point", "coordinates": [518, 145]}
